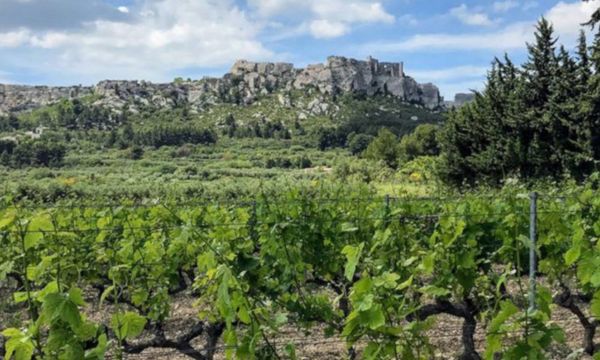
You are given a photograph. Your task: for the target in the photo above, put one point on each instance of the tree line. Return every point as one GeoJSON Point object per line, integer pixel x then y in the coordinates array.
{"type": "Point", "coordinates": [31, 153]}
{"type": "Point", "coordinates": [538, 120]}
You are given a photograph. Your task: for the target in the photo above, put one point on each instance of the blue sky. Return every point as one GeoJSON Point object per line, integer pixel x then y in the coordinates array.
{"type": "Point", "coordinates": [450, 43]}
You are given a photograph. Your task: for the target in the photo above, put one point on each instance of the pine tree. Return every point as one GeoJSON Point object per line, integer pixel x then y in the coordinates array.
{"type": "Point", "coordinates": [584, 70]}
{"type": "Point", "coordinates": [541, 65]}
{"type": "Point", "coordinates": [591, 99]}
{"type": "Point", "coordinates": [539, 72]}
{"type": "Point", "coordinates": [541, 120]}
{"type": "Point", "coordinates": [569, 139]}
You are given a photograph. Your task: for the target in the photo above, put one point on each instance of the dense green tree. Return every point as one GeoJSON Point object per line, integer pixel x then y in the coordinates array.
{"type": "Point", "coordinates": [136, 152]}
{"type": "Point", "coordinates": [591, 99]}
{"type": "Point", "coordinates": [570, 137]}
{"type": "Point", "coordinates": [422, 142]}
{"type": "Point", "coordinates": [584, 70]}
{"type": "Point", "coordinates": [32, 153]}
{"type": "Point", "coordinates": [358, 143]}
{"type": "Point", "coordinates": [7, 146]}
{"type": "Point", "coordinates": [482, 139]}
{"type": "Point", "coordinates": [328, 137]}
{"type": "Point", "coordinates": [537, 121]}
{"type": "Point", "coordinates": [9, 123]}
{"type": "Point", "coordinates": [539, 73]}
{"type": "Point", "coordinates": [385, 147]}
{"type": "Point", "coordinates": [230, 125]}
{"type": "Point", "coordinates": [112, 138]}
{"type": "Point", "coordinates": [127, 133]}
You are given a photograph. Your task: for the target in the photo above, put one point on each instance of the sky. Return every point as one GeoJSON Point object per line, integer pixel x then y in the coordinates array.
{"type": "Point", "coordinates": [450, 43]}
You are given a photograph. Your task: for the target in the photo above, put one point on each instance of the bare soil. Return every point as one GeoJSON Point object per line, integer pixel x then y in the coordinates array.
{"type": "Point", "coordinates": [445, 336]}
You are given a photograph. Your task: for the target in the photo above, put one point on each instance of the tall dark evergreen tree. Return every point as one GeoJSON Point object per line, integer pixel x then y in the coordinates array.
{"type": "Point", "coordinates": [591, 99]}
{"type": "Point", "coordinates": [570, 138]}
{"type": "Point", "coordinates": [584, 70]}
{"type": "Point", "coordinates": [478, 139]}
{"type": "Point", "coordinates": [540, 120]}
{"type": "Point", "coordinates": [539, 73]}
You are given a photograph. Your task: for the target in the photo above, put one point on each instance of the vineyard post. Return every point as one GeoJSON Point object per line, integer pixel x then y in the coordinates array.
{"type": "Point", "coordinates": [387, 209]}
{"type": "Point", "coordinates": [532, 254]}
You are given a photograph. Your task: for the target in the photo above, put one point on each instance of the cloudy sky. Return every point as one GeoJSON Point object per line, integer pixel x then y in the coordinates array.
{"type": "Point", "coordinates": [451, 43]}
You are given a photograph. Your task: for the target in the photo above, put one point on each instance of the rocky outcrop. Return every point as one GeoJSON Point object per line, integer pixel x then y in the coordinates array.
{"type": "Point", "coordinates": [461, 99]}
{"type": "Point", "coordinates": [338, 76]}
{"type": "Point", "coordinates": [21, 98]}
{"type": "Point", "coordinates": [244, 84]}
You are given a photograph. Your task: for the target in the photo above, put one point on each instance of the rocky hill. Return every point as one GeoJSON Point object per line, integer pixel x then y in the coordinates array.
{"type": "Point", "coordinates": [244, 84]}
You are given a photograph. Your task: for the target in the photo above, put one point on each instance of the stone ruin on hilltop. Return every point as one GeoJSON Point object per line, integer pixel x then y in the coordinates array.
{"type": "Point", "coordinates": [244, 84]}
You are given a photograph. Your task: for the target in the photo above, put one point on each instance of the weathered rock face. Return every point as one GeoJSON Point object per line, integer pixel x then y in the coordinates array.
{"type": "Point", "coordinates": [245, 82]}
{"type": "Point", "coordinates": [461, 99]}
{"type": "Point", "coordinates": [20, 98]}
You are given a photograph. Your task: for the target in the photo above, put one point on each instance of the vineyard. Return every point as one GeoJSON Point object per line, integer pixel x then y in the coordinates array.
{"type": "Point", "coordinates": [374, 275]}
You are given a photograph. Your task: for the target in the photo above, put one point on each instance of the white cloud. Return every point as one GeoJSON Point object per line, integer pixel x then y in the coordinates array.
{"type": "Point", "coordinates": [351, 11]}
{"type": "Point", "coordinates": [506, 5]}
{"type": "Point", "coordinates": [324, 19]}
{"type": "Point", "coordinates": [13, 39]}
{"type": "Point", "coordinates": [123, 9]}
{"type": "Point", "coordinates": [324, 29]}
{"type": "Point", "coordinates": [269, 8]}
{"type": "Point", "coordinates": [470, 16]}
{"type": "Point", "coordinates": [566, 18]}
{"type": "Point", "coordinates": [161, 39]}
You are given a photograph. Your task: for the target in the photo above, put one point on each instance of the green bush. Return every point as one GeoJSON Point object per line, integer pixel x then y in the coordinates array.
{"type": "Point", "coordinates": [422, 142]}
{"type": "Point", "coordinates": [136, 153]}
{"type": "Point", "coordinates": [167, 169]}
{"type": "Point", "coordinates": [358, 143]}
{"type": "Point", "coordinates": [385, 147]}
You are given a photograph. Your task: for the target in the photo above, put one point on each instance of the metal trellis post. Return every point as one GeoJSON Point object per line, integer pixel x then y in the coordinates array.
{"type": "Point", "coordinates": [532, 248]}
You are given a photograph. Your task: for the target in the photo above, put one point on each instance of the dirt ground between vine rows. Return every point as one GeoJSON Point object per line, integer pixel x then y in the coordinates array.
{"type": "Point", "coordinates": [444, 336]}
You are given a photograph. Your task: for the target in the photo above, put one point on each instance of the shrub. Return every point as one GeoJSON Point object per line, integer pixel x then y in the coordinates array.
{"type": "Point", "coordinates": [136, 153]}
{"type": "Point", "coordinates": [357, 144]}
{"type": "Point", "coordinates": [422, 142]}
{"type": "Point", "coordinates": [167, 169]}
{"type": "Point", "coordinates": [385, 147]}
{"type": "Point", "coordinates": [303, 162]}
{"type": "Point", "coordinates": [183, 151]}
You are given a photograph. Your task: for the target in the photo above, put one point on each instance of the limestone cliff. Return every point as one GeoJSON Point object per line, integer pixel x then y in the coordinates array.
{"type": "Point", "coordinates": [245, 83]}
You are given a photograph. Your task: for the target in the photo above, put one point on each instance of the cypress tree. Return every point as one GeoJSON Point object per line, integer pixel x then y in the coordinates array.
{"type": "Point", "coordinates": [591, 99]}
{"type": "Point", "coordinates": [584, 70]}
{"type": "Point", "coordinates": [539, 73]}
{"type": "Point", "coordinates": [569, 138]}
{"type": "Point", "coordinates": [541, 120]}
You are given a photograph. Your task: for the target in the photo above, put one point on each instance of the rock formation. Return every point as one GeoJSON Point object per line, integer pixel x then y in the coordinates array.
{"type": "Point", "coordinates": [461, 99]}
{"type": "Point", "coordinates": [244, 84]}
